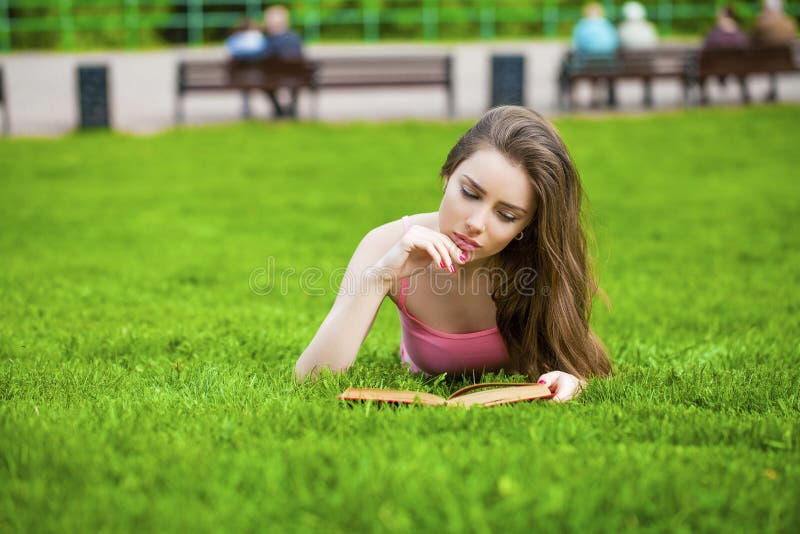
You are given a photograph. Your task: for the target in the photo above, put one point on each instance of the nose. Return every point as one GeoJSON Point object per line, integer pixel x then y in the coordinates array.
{"type": "Point", "coordinates": [476, 223]}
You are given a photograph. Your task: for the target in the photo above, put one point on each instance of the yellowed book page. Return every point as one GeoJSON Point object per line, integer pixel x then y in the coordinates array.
{"type": "Point", "coordinates": [391, 395]}
{"type": "Point", "coordinates": [493, 397]}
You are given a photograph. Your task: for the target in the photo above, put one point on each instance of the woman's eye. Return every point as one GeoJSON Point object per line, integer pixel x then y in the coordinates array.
{"type": "Point", "coordinates": [504, 215]}
{"type": "Point", "coordinates": [468, 194]}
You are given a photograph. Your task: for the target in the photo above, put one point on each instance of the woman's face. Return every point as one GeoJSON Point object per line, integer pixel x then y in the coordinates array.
{"type": "Point", "coordinates": [487, 201]}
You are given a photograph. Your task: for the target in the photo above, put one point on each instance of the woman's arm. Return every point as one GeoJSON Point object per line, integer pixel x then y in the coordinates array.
{"type": "Point", "coordinates": [385, 256]}
{"type": "Point", "coordinates": [363, 288]}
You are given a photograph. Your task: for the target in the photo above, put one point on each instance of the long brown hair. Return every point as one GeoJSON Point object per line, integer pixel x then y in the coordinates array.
{"type": "Point", "coordinates": [545, 325]}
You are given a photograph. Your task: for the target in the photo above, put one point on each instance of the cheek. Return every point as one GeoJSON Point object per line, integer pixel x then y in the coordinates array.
{"type": "Point", "coordinates": [452, 207]}
{"type": "Point", "coordinates": [504, 235]}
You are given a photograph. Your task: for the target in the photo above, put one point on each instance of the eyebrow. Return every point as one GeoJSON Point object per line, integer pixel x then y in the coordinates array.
{"type": "Point", "coordinates": [482, 190]}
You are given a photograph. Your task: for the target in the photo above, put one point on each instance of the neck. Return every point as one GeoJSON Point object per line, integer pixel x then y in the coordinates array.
{"type": "Point", "coordinates": [474, 266]}
{"type": "Point", "coordinates": [475, 276]}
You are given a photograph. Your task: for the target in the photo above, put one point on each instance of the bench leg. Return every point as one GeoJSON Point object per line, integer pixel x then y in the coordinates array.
{"type": "Point", "coordinates": [564, 93]}
{"type": "Point", "coordinates": [314, 103]}
{"type": "Point", "coordinates": [272, 96]}
{"type": "Point", "coordinates": [6, 120]}
{"type": "Point", "coordinates": [686, 90]}
{"type": "Point", "coordinates": [451, 111]}
{"type": "Point", "coordinates": [612, 93]}
{"type": "Point", "coordinates": [648, 93]}
{"type": "Point", "coordinates": [292, 109]}
{"type": "Point", "coordinates": [701, 84]}
{"type": "Point", "coordinates": [594, 102]}
{"type": "Point", "coordinates": [745, 91]}
{"type": "Point", "coordinates": [772, 95]}
{"type": "Point", "coordinates": [246, 111]}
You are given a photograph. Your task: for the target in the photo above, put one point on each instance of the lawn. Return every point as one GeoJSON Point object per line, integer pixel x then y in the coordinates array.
{"type": "Point", "coordinates": [155, 294]}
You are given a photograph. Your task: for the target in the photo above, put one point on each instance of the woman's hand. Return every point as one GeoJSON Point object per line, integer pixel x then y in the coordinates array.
{"type": "Point", "coordinates": [564, 385]}
{"type": "Point", "coordinates": [418, 247]}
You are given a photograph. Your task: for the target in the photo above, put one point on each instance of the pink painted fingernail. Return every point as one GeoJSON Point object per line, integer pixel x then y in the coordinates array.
{"type": "Point", "coordinates": [463, 257]}
{"type": "Point", "coordinates": [452, 269]}
{"type": "Point", "coordinates": [542, 382]}
{"type": "Point", "coordinates": [441, 264]}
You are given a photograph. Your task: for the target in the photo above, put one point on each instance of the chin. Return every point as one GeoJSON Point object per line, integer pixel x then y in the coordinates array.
{"type": "Point", "coordinates": [477, 256]}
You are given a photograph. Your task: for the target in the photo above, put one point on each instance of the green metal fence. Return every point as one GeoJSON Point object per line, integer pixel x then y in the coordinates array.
{"type": "Point", "coordinates": [86, 24]}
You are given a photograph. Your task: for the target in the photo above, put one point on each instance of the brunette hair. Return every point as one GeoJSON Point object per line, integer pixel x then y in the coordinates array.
{"type": "Point", "coordinates": [730, 12]}
{"type": "Point", "coordinates": [545, 328]}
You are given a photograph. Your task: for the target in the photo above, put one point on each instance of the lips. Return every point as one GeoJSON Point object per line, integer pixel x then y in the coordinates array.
{"type": "Point", "coordinates": [464, 242]}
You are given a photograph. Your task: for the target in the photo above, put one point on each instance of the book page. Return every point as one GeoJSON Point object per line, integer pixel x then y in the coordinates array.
{"type": "Point", "coordinates": [493, 397]}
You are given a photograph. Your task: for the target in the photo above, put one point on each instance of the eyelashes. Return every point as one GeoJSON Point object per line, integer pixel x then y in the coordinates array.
{"type": "Point", "coordinates": [468, 194]}
{"type": "Point", "coordinates": [504, 216]}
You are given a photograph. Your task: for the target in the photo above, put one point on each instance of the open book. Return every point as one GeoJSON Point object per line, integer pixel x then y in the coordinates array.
{"type": "Point", "coordinates": [507, 393]}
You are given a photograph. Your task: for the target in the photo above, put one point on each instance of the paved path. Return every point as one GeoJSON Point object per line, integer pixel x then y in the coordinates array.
{"type": "Point", "coordinates": [42, 94]}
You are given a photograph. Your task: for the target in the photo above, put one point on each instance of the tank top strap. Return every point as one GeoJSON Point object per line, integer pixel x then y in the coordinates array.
{"type": "Point", "coordinates": [404, 282]}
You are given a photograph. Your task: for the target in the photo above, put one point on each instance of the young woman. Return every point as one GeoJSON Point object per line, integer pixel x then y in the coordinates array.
{"type": "Point", "coordinates": [497, 278]}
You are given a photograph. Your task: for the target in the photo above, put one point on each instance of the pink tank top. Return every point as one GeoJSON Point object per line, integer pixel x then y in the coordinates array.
{"type": "Point", "coordinates": [432, 351]}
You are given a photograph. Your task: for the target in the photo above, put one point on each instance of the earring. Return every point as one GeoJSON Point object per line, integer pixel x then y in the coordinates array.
{"type": "Point", "coordinates": [519, 236]}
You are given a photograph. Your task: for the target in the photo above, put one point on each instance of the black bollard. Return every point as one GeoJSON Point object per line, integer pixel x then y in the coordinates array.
{"type": "Point", "coordinates": [3, 106]}
{"type": "Point", "coordinates": [508, 80]}
{"type": "Point", "coordinates": [93, 96]}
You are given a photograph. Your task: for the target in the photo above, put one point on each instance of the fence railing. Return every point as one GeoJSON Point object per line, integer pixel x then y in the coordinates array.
{"type": "Point", "coordinates": [82, 24]}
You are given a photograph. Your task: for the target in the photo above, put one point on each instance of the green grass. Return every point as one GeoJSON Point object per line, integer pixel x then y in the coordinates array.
{"type": "Point", "coordinates": [144, 386]}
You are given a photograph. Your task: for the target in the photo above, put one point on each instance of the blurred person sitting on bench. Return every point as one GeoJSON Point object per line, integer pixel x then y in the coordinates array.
{"type": "Point", "coordinates": [773, 28]}
{"type": "Point", "coordinates": [247, 41]}
{"type": "Point", "coordinates": [636, 32]}
{"type": "Point", "coordinates": [595, 40]}
{"type": "Point", "coordinates": [594, 34]}
{"type": "Point", "coordinates": [726, 33]}
{"type": "Point", "coordinates": [284, 44]}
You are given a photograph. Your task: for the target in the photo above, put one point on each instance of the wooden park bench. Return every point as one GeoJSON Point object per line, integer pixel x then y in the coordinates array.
{"type": "Point", "coordinates": [240, 75]}
{"type": "Point", "coordinates": [691, 66]}
{"type": "Point", "coordinates": [385, 72]}
{"type": "Point", "coordinates": [741, 63]}
{"type": "Point", "coordinates": [666, 62]}
{"type": "Point", "coordinates": [340, 73]}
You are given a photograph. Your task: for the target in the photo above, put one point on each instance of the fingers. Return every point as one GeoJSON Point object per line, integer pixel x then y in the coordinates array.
{"type": "Point", "coordinates": [563, 385]}
{"type": "Point", "coordinates": [438, 254]}
{"type": "Point", "coordinates": [550, 380]}
{"type": "Point", "coordinates": [447, 248]}
{"type": "Point", "coordinates": [435, 254]}
{"type": "Point", "coordinates": [447, 260]}
{"type": "Point", "coordinates": [458, 255]}
{"type": "Point", "coordinates": [442, 250]}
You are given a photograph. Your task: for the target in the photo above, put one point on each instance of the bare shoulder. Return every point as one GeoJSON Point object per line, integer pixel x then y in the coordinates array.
{"type": "Point", "coordinates": [383, 237]}
{"type": "Point", "coordinates": [430, 220]}
{"type": "Point", "coordinates": [379, 240]}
